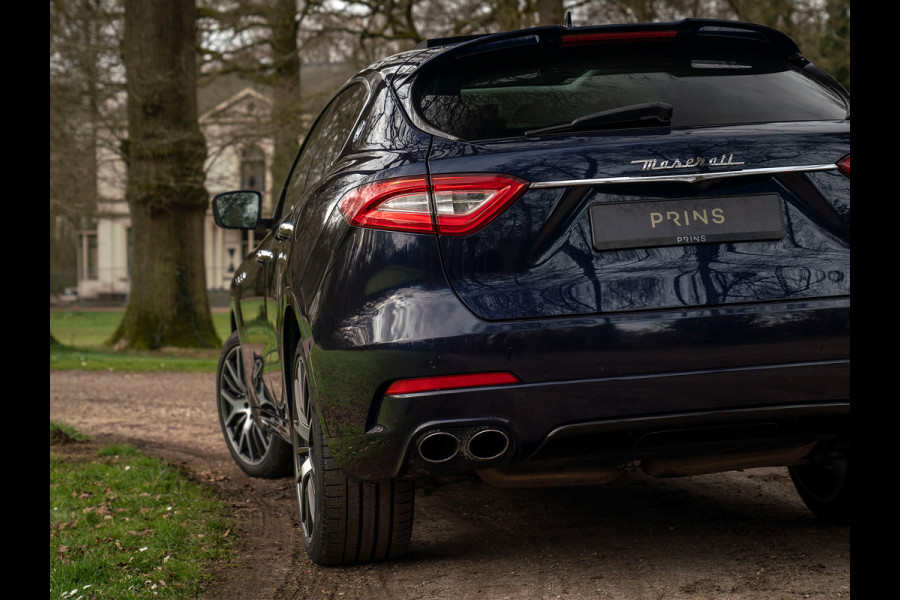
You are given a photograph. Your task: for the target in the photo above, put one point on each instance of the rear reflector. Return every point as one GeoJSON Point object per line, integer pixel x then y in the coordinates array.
{"type": "Point", "coordinates": [843, 166]}
{"type": "Point", "coordinates": [450, 382]}
{"type": "Point", "coordinates": [463, 203]}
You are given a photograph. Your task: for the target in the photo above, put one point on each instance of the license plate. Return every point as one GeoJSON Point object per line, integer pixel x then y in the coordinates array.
{"type": "Point", "coordinates": [685, 222]}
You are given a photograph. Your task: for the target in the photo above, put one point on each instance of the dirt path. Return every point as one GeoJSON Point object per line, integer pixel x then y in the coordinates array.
{"type": "Point", "coordinates": [738, 535]}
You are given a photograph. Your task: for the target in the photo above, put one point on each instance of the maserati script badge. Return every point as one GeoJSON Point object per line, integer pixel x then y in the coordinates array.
{"type": "Point", "coordinates": [655, 164]}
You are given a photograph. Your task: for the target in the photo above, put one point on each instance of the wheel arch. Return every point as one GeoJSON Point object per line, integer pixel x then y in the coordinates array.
{"type": "Point", "coordinates": [290, 340]}
{"type": "Point", "coordinates": [293, 337]}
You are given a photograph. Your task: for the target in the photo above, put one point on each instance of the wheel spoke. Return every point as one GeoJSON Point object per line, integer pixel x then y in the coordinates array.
{"type": "Point", "coordinates": [302, 430]}
{"type": "Point", "coordinates": [235, 403]}
{"type": "Point", "coordinates": [304, 475]}
{"type": "Point", "coordinates": [301, 397]}
{"type": "Point", "coordinates": [232, 375]}
{"type": "Point", "coordinates": [304, 459]}
{"type": "Point", "coordinates": [306, 493]}
{"type": "Point", "coordinates": [245, 440]}
{"type": "Point", "coordinates": [262, 441]}
{"type": "Point", "coordinates": [235, 423]}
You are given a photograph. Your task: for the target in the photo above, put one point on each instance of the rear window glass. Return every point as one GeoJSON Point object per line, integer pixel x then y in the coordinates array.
{"type": "Point", "coordinates": [507, 93]}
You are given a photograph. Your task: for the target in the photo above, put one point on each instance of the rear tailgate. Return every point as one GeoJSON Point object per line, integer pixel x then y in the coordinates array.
{"type": "Point", "coordinates": [636, 221]}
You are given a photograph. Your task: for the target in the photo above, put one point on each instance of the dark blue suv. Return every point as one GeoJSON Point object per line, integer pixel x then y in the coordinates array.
{"type": "Point", "coordinates": [540, 257]}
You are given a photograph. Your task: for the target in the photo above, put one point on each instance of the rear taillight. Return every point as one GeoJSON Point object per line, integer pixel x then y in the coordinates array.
{"type": "Point", "coordinates": [398, 204]}
{"type": "Point", "coordinates": [843, 166]}
{"type": "Point", "coordinates": [463, 204]}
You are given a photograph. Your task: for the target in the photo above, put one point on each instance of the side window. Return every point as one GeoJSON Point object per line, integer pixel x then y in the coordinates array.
{"type": "Point", "coordinates": [325, 142]}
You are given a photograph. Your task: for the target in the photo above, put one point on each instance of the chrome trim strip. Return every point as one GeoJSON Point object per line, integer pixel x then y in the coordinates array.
{"type": "Point", "coordinates": [683, 178]}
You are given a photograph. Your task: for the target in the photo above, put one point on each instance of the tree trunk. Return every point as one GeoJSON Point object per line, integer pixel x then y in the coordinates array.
{"type": "Point", "coordinates": [550, 12]}
{"type": "Point", "coordinates": [287, 109]}
{"type": "Point", "coordinates": [165, 151]}
{"type": "Point", "coordinates": [507, 15]}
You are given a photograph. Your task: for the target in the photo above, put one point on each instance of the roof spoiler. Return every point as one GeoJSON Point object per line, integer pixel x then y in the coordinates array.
{"type": "Point", "coordinates": [738, 30]}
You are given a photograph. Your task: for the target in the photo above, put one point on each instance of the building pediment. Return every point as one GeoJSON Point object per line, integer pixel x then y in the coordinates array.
{"type": "Point", "coordinates": [248, 105]}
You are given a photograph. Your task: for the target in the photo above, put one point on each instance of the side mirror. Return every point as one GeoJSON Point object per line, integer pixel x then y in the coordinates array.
{"type": "Point", "coordinates": [237, 210]}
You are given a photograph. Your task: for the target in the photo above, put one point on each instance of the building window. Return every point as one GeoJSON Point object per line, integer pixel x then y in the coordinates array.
{"type": "Point", "coordinates": [87, 269]}
{"type": "Point", "coordinates": [128, 252]}
{"type": "Point", "coordinates": [253, 169]}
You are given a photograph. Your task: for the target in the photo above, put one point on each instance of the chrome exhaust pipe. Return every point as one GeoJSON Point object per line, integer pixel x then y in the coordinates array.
{"type": "Point", "coordinates": [438, 446]}
{"type": "Point", "coordinates": [487, 444]}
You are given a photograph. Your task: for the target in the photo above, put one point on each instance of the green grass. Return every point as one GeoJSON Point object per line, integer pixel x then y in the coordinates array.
{"type": "Point", "coordinates": [91, 328]}
{"type": "Point", "coordinates": [125, 525]}
{"type": "Point", "coordinates": [82, 333]}
{"type": "Point", "coordinates": [84, 328]}
{"type": "Point", "coordinates": [61, 433]}
{"type": "Point", "coordinates": [199, 361]}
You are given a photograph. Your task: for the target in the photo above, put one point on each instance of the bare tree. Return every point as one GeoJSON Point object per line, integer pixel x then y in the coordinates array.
{"type": "Point", "coordinates": [834, 42]}
{"type": "Point", "coordinates": [83, 60]}
{"type": "Point", "coordinates": [774, 13]}
{"type": "Point", "coordinates": [259, 39]}
{"type": "Point", "coordinates": [287, 106]}
{"type": "Point", "coordinates": [821, 29]}
{"type": "Point", "coordinates": [165, 151]}
{"type": "Point", "coordinates": [550, 12]}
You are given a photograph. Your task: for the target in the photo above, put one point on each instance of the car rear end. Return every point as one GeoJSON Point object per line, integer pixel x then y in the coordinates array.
{"type": "Point", "coordinates": [645, 234]}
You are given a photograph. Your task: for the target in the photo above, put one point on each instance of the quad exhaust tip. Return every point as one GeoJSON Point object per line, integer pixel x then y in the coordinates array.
{"type": "Point", "coordinates": [478, 444]}
{"type": "Point", "coordinates": [438, 446]}
{"type": "Point", "coordinates": [487, 444]}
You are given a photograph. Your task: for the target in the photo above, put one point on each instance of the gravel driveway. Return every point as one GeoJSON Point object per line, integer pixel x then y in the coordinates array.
{"type": "Point", "coordinates": [736, 535]}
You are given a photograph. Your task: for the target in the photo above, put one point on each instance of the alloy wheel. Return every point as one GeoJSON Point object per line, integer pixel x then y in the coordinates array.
{"type": "Point", "coordinates": [304, 450]}
{"type": "Point", "coordinates": [249, 441]}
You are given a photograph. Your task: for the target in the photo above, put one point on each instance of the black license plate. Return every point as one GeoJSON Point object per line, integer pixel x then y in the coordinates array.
{"type": "Point", "coordinates": [684, 222]}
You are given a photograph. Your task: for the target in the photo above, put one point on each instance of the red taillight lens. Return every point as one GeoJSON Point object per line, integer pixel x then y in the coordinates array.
{"type": "Point", "coordinates": [398, 204]}
{"type": "Point", "coordinates": [450, 382]}
{"type": "Point", "coordinates": [579, 39]}
{"type": "Point", "coordinates": [463, 204]}
{"type": "Point", "coordinates": [843, 166]}
{"type": "Point", "coordinates": [466, 203]}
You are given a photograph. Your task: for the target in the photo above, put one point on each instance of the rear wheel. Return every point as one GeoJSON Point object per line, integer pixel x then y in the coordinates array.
{"type": "Point", "coordinates": [343, 521]}
{"type": "Point", "coordinates": [256, 451]}
{"type": "Point", "coordinates": [824, 485]}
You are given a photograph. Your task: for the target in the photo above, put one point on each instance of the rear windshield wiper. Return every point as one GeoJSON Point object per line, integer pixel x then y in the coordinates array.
{"type": "Point", "coordinates": [653, 113]}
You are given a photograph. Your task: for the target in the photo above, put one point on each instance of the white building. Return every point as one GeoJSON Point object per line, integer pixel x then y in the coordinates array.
{"type": "Point", "coordinates": [237, 158]}
{"type": "Point", "coordinates": [232, 114]}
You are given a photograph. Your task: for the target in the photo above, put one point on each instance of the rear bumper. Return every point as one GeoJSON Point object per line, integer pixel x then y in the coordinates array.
{"type": "Point", "coordinates": [604, 421]}
{"type": "Point", "coordinates": [604, 388]}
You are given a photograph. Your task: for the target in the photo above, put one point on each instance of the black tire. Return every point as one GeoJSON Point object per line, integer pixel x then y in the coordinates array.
{"type": "Point", "coordinates": [257, 452]}
{"type": "Point", "coordinates": [824, 485]}
{"type": "Point", "coordinates": [343, 521]}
